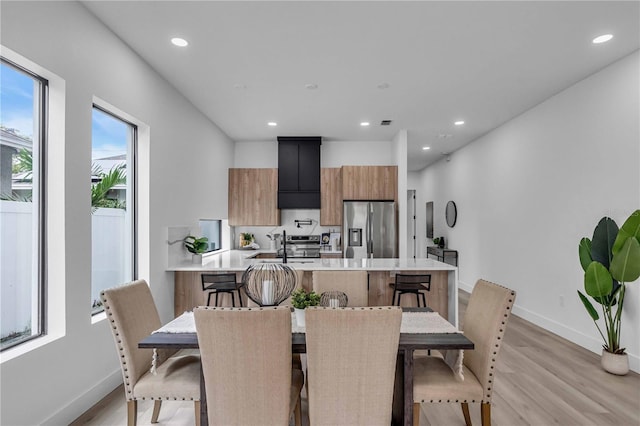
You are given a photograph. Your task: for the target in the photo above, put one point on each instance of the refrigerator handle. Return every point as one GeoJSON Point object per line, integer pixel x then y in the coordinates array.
{"type": "Point", "coordinates": [369, 232]}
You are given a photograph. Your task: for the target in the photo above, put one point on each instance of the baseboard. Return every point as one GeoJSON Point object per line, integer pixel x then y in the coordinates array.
{"type": "Point", "coordinates": [463, 286]}
{"type": "Point", "coordinates": [86, 400]}
{"type": "Point", "coordinates": [574, 336]}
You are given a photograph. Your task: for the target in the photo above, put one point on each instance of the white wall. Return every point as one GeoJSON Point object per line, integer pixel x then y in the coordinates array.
{"type": "Point", "coordinates": [357, 153]}
{"type": "Point", "coordinates": [528, 191]}
{"type": "Point", "coordinates": [400, 157]}
{"type": "Point", "coordinates": [332, 154]}
{"type": "Point", "coordinates": [185, 157]}
{"type": "Point", "coordinates": [259, 155]}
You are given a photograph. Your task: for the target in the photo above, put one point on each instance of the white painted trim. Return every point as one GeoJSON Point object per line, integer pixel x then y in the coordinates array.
{"type": "Point", "coordinates": [78, 406]}
{"type": "Point", "coordinates": [55, 257]}
{"type": "Point", "coordinates": [574, 336]}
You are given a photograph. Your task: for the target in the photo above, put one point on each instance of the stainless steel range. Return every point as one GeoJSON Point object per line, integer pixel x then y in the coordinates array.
{"type": "Point", "coordinates": [302, 246]}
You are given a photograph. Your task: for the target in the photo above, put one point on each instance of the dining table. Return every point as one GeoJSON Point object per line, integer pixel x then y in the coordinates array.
{"type": "Point", "coordinates": [424, 338]}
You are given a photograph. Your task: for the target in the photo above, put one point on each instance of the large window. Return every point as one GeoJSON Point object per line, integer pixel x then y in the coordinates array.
{"type": "Point", "coordinates": [22, 143]}
{"type": "Point", "coordinates": [113, 203]}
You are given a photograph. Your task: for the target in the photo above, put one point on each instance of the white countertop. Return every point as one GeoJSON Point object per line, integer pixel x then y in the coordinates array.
{"type": "Point", "coordinates": [239, 260]}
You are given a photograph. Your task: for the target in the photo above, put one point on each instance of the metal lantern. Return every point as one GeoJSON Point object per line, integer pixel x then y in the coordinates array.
{"type": "Point", "coordinates": [334, 299]}
{"type": "Point", "coordinates": [269, 284]}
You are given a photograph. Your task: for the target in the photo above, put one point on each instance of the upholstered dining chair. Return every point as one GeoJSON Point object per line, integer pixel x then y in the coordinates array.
{"type": "Point", "coordinates": [351, 364]}
{"type": "Point", "coordinates": [249, 379]}
{"type": "Point", "coordinates": [484, 323]}
{"type": "Point", "coordinates": [355, 284]}
{"type": "Point", "coordinates": [132, 315]}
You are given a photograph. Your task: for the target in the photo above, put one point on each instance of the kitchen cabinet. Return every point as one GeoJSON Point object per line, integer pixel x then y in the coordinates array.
{"type": "Point", "coordinates": [299, 172]}
{"type": "Point", "coordinates": [331, 196]}
{"type": "Point", "coordinates": [370, 183]}
{"type": "Point", "coordinates": [253, 197]}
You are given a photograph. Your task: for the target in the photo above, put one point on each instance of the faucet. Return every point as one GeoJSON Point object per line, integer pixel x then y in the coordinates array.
{"type": "Point", "coordinates": [284, 246]}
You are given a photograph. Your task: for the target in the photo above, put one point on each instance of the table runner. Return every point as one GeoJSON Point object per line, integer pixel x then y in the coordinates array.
{"type": "Point", "coordinates": [412, 323]}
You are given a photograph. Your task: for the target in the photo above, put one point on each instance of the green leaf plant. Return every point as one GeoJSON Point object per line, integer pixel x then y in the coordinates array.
{"type": "Point", "coordinates": [196, 245]}
{"type": "Point", "coordinates": [300, 299]}
{"type": "Point", "coordinates": [610, 260]}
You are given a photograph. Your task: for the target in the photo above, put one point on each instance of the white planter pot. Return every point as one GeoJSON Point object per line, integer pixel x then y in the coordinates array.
{"type": "Point", "coordinates": [196, 258]}
{"type": "Point", "coordinates": [300, 317]}
{"type": "Point", "coordinates": [615, 364]}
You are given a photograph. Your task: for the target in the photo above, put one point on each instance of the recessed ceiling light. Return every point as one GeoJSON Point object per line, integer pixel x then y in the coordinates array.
{"type": "Point", "coordinates": [426, 148]}
{"type": "Point", "coordinates": [312, 86]}
{"type": "Point", "coordinates": [180, 42]}
{"type": "Point", "coordinates": [272, 124]}
{"type": "Point", "coordinates": [459, 123]}
{"type": "Point", "coordinates": [364, 123]}
{"type": "Point", "coordinates": [602, 39]}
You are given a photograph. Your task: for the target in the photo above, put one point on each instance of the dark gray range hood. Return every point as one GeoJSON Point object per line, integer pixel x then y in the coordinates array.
{"type": "Point", "coordinates": [299, 172]}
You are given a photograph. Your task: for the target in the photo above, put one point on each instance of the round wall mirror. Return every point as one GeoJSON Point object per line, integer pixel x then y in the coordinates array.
{"type": "Point", "coordinates": [451, 213]}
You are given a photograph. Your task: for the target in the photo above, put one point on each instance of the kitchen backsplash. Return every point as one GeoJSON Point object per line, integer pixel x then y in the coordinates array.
{"type": "Point", "coordinates": [287, 220]}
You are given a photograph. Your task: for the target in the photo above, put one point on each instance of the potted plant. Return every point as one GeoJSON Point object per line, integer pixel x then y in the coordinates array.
{"type": "Point", "coordinates": [196, 246]}
{"type": "Point", "coordinates": [609, 260]}
{"type": "Point", "coordinates": [300, 300]}
{"type": "Point", "coordinates": [246, 238]}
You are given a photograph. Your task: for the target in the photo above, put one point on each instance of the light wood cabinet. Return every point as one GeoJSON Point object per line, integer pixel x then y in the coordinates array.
{"type": "Point", "coordinates": [370, 183]}
{"type": "Point", "coordinates": [188, 289]}
{"type": "Point", "coordinates": [331, 196]}
{"type": "Point", "coordinates": [253, 197]}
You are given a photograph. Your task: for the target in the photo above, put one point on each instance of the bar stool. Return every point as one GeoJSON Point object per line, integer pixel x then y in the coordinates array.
{"type": "Point", "coordinates": [412, 284]}
{"type": "Point", "coordinates": [221, 283]}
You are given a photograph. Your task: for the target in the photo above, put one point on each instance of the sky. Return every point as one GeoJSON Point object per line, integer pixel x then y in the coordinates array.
{"type": "Point", "coordinates": [109, 135]}
{"type": "Point", "coordinates": [16, 100]}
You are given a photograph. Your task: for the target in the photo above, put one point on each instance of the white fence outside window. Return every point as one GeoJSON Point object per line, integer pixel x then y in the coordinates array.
{"type": "Point", "coordinates": [16, 299]}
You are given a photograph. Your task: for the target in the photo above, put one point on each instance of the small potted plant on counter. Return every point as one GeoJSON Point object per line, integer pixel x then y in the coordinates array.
{"type": "Point", "coordinates": [196, 246]}
{"type": "Point", "coordinates": [300, 300]}
{"type": "Point", "coordinates": [246, 238]}
{"type": "Point", "coordinates": [610, 260]}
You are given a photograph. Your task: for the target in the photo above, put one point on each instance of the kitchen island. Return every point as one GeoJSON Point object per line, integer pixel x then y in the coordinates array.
{"type": "Point", "coordinates": [442, 297]}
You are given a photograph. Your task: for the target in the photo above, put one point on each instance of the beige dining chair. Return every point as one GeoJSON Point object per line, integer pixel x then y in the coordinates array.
{"type": "Point", "coordinates": [484, 323]}
{"type": "Point", "coordinates": [248, 378]}
{"type": "Point", "coordinates": [355, 284]}
{"type": "Point", "coordinates": [132, 315]}
{"type": "Point", "coordinates": [351, 364]}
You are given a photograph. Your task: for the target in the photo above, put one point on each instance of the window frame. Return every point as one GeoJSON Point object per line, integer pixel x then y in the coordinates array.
{"type": "Point", "coordinates": [132, 189]}
{"type": "Point", "coordinates": [41, 211]}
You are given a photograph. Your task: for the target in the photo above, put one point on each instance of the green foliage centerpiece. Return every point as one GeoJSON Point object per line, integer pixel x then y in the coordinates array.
{"type": "Point", "coordinates": [301, 300]}
{"type": "Point", "coordinates": [609, 260]}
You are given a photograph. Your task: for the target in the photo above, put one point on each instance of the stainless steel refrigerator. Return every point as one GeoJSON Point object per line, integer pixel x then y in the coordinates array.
{"type": "Point", "coordinates": [369, 229]}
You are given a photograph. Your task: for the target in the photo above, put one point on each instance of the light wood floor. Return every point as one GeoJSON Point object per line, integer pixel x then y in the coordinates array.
{"type": "Point", "coordinates": [542, 380]}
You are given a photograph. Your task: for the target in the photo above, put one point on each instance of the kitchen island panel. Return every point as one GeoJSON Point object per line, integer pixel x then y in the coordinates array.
{"type": "Point", "coordinates": [381, 292]}
{"type": "Point", "coordinates": [441, 298]}
{"type": "Point", "coordinates": [189, 294]}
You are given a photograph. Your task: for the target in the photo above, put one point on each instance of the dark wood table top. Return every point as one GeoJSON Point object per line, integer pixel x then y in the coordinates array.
{"type": "Point", "coordinates": [407, 340]}
{"type": "Point", "coordinates": [403, 387]}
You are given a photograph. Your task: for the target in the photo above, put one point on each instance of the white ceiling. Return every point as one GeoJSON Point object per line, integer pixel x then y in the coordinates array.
{"type": "Point", "coordinates": [481, 62]}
